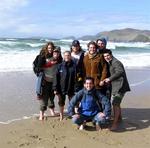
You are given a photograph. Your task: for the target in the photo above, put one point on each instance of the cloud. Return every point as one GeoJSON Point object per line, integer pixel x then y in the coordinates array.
{"type": "Point", "coordinates": [11, 5]}
{"type": "Point", "coordinates": [17, 22]}
{"type": "Point", "coordinates": [57, 26]}
{"type": "Point", "coordinates": [8, 17]}
{"type": "Point", "coordinates": [27, 28]}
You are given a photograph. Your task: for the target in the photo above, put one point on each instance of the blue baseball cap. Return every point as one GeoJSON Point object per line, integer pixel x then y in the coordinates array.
{"type": "Point", "coordinates": [75, 43]}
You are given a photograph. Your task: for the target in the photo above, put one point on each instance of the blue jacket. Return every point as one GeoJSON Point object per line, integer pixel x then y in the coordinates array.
{"type": "Point", "coordinates": [88, 105]}
{"type": "Point", "coordinates": [39, 81]}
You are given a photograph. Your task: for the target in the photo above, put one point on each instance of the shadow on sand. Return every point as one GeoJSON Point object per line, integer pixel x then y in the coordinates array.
{"type": "Point", "coordinates": [134, 119]}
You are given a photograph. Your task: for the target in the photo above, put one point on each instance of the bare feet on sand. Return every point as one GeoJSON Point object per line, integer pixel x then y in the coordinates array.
{"type": "Point", "coordinates": [98, 128]}
{"type": "Point", "coordinates": [61, 117]}
{"type": "Point", "coordinates": [41, 118]}
{"type": "Point", "coordinates": [52, 113]}
{"type": "Point", "coordinates": [114, 127]}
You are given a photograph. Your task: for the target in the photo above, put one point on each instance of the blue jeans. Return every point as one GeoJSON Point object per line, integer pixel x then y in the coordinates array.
{"type": "Point", "coordinates": [38, 86]}
{"type": "Point", "coordinates": [95, 119]}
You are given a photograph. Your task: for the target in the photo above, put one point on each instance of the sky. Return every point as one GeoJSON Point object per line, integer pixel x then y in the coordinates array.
{"type": "Point", "coordinates": [62, 18]}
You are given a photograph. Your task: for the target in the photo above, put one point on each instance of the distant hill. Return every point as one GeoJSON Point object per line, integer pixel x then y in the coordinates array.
{"type": "Point", "coordinates": [122, 35]}
{"type": "Point", "coordinates": [69, 37]}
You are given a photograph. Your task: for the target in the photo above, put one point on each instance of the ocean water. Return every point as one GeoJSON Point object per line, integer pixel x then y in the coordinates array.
{"type": "Point", "coordinates": [18, 54]}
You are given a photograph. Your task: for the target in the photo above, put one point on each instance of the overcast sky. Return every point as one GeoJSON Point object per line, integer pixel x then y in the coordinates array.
{"type": "Point", "coordinates": [61, 18]}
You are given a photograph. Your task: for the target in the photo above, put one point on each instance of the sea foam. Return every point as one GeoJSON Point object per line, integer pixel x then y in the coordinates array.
{"type": "Point", "coordinates": [18, 54]}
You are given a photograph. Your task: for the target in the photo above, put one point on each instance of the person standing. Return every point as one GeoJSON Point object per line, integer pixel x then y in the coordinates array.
{"type": "Point", "coordinates": [101, 45]}
{"type": "Point", "coordinates": [77, 55]}
{"type": "Point", "coordinates": [120, 85]}
{"type": "Point", "coordinates": [47, 60]}
{"type": "Point", "coordinates": [101, 48]}
{"type": "Point", "coordinates": [94, 65]}
{"type": "Point", "coordinates": [64, 81]}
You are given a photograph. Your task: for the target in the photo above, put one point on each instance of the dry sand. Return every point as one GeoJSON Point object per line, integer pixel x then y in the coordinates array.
{"type": "Point", "coordinates": [134, 131]}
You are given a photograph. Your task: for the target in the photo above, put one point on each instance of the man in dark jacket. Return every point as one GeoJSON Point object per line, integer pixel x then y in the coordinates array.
{"type": "Point", "coordinates": [64, 80]}
{"type": "Point", "coordinates": [101, 48]}
{"type": "Point", "coordinates": [93, 106]}
{"type": "Point", "coordinates": [119, 84]}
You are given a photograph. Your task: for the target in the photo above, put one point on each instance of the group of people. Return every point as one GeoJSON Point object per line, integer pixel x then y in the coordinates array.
{"type": "Point", "coordinates": [90, 79]}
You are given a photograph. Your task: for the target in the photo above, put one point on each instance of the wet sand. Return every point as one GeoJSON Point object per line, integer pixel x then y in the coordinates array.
{"type": "Point", "coordinates": [17, 99]}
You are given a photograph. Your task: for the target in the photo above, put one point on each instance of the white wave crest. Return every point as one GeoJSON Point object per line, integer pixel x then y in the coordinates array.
{"type": "Point", "coordinates": [14, 61]}
{"type": "Point", "coordinates": [135, 60]}
{"type": "Point", "coordinates": [19, 55]}
{"type": "Point", "coordinates": [112, 45]}
{"type": "Point", "coordinates": [13, 120]}
{"type": "Point", "coordinates": [35, 44]}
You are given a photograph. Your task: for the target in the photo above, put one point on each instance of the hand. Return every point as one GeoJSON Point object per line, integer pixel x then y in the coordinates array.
{"type": "Point", "coordinates": [55, 92]}
{"type": "Point", "coordinates": [107, 80]}
{"type": "Point", "coordinates": [53, 62]}
{"type": "Point", "coordinates": [76, 116]}
{"type": "Point", "coordinates": [101, 115]}
{"type": "Point", "coordinates": [101, 83]}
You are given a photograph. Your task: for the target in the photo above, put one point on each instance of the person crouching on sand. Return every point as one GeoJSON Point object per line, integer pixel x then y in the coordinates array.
{"type": "Point", "coordinates": [93, 106]}
{"type": "Point", "coordinates": [64, 81]}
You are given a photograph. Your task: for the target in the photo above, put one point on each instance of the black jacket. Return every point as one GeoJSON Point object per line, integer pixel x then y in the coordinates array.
{"type": "Point", "coordinates": [38, 63]}
{"type": "Point", "coordinates": [64, 82]}
{"type": "Point", "coordinates": [79, 74]}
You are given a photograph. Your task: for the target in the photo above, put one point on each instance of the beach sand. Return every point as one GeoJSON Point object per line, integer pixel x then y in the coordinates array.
{"type": "Point", "coordinates": [18, 99]}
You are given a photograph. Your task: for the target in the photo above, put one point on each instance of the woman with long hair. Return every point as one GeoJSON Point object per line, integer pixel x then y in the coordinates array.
{"type": "Point", "coordinates": [49, 57]}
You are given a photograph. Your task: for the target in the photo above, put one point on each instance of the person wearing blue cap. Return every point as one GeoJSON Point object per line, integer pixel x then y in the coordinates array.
{"type": "Point", "coordinates": [101, 45]}
{"type": "Point", "coordinates": [77, 55]}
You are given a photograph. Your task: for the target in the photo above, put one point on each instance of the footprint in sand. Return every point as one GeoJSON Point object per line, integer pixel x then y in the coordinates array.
{"type": "Point", "coordinates": [24, 144]}
{"type": "Point", "coordinates": [34, 136]}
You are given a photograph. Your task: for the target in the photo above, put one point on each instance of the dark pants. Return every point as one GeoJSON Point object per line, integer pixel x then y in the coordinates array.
{"type": "Point", "coordinates": [62, 99]}
{"type": "Point", "coordinates": [47, 99]}
{"type": "Point", "coordinates": [106, 90]}
{"type": "Point", "coordinates": [95, 119]}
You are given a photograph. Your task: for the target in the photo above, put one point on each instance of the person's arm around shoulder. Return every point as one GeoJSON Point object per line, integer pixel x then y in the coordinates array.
{"type": "Point", "coordinates": [119, 70]}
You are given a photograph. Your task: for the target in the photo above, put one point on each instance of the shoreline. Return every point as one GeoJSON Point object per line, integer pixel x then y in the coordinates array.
{"type": "Point", "coordinates": [18, 95]}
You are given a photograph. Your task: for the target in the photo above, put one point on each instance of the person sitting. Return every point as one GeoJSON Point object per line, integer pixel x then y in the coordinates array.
{"type": "Point", "coordinates": [92, 106]}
